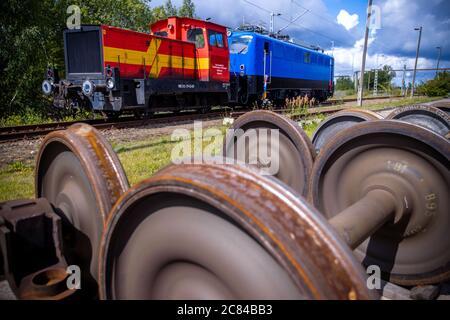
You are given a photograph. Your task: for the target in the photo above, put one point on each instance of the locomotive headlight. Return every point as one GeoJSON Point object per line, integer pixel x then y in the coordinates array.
{"type": "Point", "coordinates": [88, 88]}
{"type": "Point", "coordinates": [242, 68]}
{"type": "Point", "coordinates": [110, 84]}
{"type": "Point", "coordinates": [47, 87]}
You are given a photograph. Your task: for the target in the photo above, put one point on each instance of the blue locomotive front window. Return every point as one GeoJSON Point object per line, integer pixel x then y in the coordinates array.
{"type": "Point", "coordinates": [240, 45]}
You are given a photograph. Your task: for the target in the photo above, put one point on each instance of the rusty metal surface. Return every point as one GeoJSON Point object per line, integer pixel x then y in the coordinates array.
{"type": "Point", "coordinates": [429, 117]}
{"type": "Point", "coordinates": [338, 122]}
{"type": "Point", "coordinates": [371, 114]}
{"type": "Point", "coordinates": [319, 264]}
{"type": "Point", "coordinates": [99, 160]}
{"type": "Point", "coordinates": [296, 154]}
{"type": "Point", "coordinates": [362, 219]}
{"type": "Point", "coordinates": [81, 176]}
{"type": "Point", "coordinates": [412, 164]}
{"type": "Point", "coordinates": [31, 246]}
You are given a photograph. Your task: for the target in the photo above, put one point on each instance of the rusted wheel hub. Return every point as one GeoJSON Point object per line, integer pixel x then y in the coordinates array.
{"type": "Point", "coordinates": [220, 232]}
{"type": "Point", "coordinates": [289, 152]}
{"type": "Point", "coordinates": [81, 176]}
{"type": "Point", "coordinates": [397, 172]}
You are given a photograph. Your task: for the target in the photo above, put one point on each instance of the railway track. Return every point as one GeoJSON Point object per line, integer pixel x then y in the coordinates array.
{"type": "Point", "coordinates": [32, 131]}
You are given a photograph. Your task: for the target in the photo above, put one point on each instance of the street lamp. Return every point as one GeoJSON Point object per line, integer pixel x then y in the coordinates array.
{"type": "Point", "coordinates": [438, 60]}
{"type": "Point", "coordinates": [417, 58]}
{"type": "Point", "coordinates": [272, 15]}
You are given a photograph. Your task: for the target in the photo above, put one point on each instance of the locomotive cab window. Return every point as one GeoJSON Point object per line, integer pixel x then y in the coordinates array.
{"type": "Point", "coordinates": [196, 36]}
{"type": "Point", "coordinates": [219, 40]}
{"type": "Point", "coordinates": [240, 45]}
{"type": "Point", "coordinates": [161, 34]}
{"type": "Point", "coordinates": [216, 39]}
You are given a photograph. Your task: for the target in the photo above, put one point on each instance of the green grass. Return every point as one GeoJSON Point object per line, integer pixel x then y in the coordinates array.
{"type": "Point", "coordinates": [31, 117]}
{"type": "Point", "coordinates": [399, 103]}
{"type": "Point", "coordinates": [140, 159]}
{"type": "Point", "coordinates": [16, 181]}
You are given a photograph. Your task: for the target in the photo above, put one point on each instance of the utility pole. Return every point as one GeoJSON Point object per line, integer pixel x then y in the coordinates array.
{"type": "Point", "coordinates": [438, 60]}
{"type": "Point", "coordinates": [403, 81]}
{"type": "Point", "coordinates": [363, 64]}
{"type": "Point", "coordinates": [272, 24]}
{"type": "Point", "coordinates": [417, 58]}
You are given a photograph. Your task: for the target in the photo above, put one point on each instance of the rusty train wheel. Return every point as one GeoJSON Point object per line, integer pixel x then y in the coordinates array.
{"type": "Point", "coordinates": [425, 116]}
{"type": "Point", "coordinates": [296, 155]}
{"type": "Point", "coordinates": [81, 176]}
{"type": "Point", "coordinates": [212, 232]}
{"type": "Point", "coordinates": [342, 120]}
{"type": "Point", "coordinates": [445, 108]}
{"type": "Point", "coordinates": [412, 164]}
{"type": "Point", "coordinates": [372, 114]}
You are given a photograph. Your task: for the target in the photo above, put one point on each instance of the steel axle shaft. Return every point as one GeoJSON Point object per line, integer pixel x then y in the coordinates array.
{"type": "Point", "coordinates": [359, 221]}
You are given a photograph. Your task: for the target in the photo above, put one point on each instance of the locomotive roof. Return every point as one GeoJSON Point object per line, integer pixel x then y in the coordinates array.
{"type": "Point", "coordinates": [267, 37]}
{"type": "Point", "coordinates": [205, 23]}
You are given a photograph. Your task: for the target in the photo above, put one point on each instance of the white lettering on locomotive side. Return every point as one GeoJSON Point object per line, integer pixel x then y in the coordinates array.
{"type": "Point", "coordinates": [186, 86]}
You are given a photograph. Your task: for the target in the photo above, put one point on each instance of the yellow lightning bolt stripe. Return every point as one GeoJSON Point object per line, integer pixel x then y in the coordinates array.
{"type": "Point", "coordinates": [132, 56]}
{"type": "Point", "coordinates": [153, 59]}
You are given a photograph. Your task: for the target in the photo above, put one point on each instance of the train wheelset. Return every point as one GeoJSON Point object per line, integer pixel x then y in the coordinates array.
{"type": "Point", "coordinates": [209, 231]}
{"type": "Point", "coordinates": [384, 185]}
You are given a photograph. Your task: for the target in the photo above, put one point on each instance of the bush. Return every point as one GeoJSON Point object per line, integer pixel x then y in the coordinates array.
{"type": "Point", "coordinates": [440, 86]}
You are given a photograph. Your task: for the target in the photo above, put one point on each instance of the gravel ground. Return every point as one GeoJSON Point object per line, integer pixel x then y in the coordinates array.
{"type": "Point", "coordinates": [26, 150]}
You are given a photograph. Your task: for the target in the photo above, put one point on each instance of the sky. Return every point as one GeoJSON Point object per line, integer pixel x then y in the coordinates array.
{"type": "Point", "coordinates": [341, 23]}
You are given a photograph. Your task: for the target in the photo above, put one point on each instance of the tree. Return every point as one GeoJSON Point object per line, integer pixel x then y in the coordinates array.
{"type": "Point", "coordinates": [159, 13]}
{"type": "Point", "coordinates": [170, 9]}
{"type": "Point", "coordinates": [385, 76]}
{"type": "Point", "coordinates": [187, 9]}
{"type": "Point", "coordinates": [344, 83]}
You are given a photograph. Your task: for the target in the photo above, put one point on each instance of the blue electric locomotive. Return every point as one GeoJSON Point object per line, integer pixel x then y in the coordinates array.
{"type": "Point", "coordinates": [263, 66]}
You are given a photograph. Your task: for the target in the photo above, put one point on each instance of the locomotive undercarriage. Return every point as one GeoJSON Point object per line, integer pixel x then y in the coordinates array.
{"type": "Point", "coordinates": [139, 96]}
{"type": "Point", "coordinates": [251, 90]}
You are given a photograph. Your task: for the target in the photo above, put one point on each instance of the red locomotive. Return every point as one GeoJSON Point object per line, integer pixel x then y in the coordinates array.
{"type": "Point", "coordinates": [182, 64]}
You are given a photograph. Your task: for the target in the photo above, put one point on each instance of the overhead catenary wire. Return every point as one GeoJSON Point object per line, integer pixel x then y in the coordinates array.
{"type": "Point", "coordinates": [288, 21]}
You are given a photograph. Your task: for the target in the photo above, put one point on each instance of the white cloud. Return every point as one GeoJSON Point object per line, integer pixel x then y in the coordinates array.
{"type": "Point", "coordinates": [349, 59]}
{"type": "Point", "coordinates": [348, 20]}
